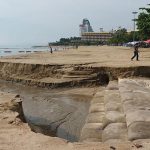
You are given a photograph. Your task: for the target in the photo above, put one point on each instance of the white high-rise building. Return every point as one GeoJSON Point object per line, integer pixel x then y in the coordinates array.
{"type": "Point", "coordinates": [85, 27]}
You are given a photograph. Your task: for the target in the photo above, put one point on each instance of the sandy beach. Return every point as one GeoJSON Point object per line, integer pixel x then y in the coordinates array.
{"type": "Point", "coordinates": [90, 74]}
{"type": "Point", "coordinates": [92, 56]}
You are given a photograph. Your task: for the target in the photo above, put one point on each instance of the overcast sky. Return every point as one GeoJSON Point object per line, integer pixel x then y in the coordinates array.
{"type": "Point", "coordinates": [31, 22]}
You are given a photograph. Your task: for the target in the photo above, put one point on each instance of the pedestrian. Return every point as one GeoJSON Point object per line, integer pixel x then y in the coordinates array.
{"type": "Point", "coordinates": [76, 46]}
{"type": "Point", "coordinates": [136, 52]}
{"type": "Point", "coordinates": [51, 50]}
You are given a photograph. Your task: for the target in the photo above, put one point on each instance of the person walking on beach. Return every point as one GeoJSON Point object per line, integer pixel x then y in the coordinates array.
{"type": "Point", "coordinates": [51, 50]}
{"type": "Point", "coordinates": [136, 52]}
{"type": "Point", "coordinates": [76, 46]}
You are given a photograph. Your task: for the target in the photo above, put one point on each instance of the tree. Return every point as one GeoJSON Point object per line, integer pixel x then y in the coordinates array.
{"type": "Point", "coordinates": [119, 37]}
{"type": "Point", "coordinates": [143, 23]}
{"type": "Point", "coordinates": [135, 34]}
{"type": "Point", "coordinates": [122, 36]}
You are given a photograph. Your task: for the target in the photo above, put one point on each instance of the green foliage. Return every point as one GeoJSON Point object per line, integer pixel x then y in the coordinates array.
{"type": "Point", "coordinates": [119, 37]}
{"type": "Point", "coordinates": [122, 36]}
{"type": "Point", "coordinates": [74, 41]}
{"type": "Point", "coordinates": [67, 41]}
{"type": "Point", "coordinates": [143, 23]}
{"type": "Point", "coordinates": [132, 34]}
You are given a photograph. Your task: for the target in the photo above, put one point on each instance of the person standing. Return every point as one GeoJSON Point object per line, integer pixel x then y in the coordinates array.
{"type": "Point", "coordinates": [51, 50]}
{"type": "Point", "coordinates": [136, 53]}
{"type": "Point", "coordinates": [76, 46]}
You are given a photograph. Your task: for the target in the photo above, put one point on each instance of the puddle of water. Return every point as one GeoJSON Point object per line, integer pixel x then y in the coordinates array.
{"type": "Point", "coordinates": [50, 112]}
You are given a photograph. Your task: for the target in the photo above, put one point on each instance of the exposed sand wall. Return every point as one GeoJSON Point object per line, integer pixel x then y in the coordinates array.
{"type": "Point", "coordinates": [53, 76]}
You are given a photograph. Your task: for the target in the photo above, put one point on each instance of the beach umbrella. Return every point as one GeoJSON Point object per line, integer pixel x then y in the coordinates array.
{"type": "Point", "coordinates": [147, 41]}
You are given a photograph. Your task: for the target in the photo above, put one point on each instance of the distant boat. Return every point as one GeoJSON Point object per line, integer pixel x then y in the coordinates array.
{"type": "Point", "coordinates": [7, 51]}
{"type": "Point", "coordinates": [21, 51]}
{"type": "Point", "coordinates": [37, 51]}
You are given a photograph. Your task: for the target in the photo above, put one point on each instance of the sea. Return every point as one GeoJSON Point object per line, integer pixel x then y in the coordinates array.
{"type": "Point", "coordinates": [10, 51]}
{"type": "Point", "coordinates": [15, 50]}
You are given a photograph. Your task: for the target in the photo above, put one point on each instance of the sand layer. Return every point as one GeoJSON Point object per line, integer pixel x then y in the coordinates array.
{"type": "Point", "coordinates": [85, 66]}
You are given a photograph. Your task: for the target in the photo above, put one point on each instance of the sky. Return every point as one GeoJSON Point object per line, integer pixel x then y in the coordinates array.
{"type": "Point", "coordinates": [37, 22]}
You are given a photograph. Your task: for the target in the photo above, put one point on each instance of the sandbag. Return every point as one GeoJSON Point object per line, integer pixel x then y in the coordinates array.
{"type": "Point", "coordinates": [112, 106]}
{"type": "Point", "coordinates": [112, 96]}
{"type": "Point", "coordinates": [115, 131]}
{"type": "Point", "coordinates": [97, 100]}
{"type": "Point", "coordinates": [139, 130]}
{"type": "Point", "coordinates": [114, 117]}
{"type": "Point", "coordinates": [91, 130]}
{"type": "Point", "coordinates": [96, 117]}
{"type": "Point", "coordinates": [97, 108]}
{"type": "Point", "coordinates": [137, 116]}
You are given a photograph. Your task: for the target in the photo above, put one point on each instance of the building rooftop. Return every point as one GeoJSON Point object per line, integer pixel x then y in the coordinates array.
{"type": "Point", "coordinates": [93, 33]}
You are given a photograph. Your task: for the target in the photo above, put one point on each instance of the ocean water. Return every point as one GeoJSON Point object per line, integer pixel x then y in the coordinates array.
{"type": "Point", "coordinates": [9, 51]}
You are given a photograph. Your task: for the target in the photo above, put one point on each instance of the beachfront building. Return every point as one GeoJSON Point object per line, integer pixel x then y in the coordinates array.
{"type": "Point", "coordinates": [85, 26]}
{"type": "Point", "coordinates": [102, 37]}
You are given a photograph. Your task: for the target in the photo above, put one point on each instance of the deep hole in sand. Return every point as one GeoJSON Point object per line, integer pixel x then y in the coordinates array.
{"type": "Point", "coordinates": [58, 116]}
{"type": "Point", "coordinates": [50, 112]}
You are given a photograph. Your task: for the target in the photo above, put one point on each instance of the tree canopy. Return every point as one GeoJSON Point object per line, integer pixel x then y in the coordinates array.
{"type": "Point", "coordinates": [122, 36]}
{"type": "Point", "coordinates": [119, 36]}
{"type": "Point", "coordinates": [143, 23]}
